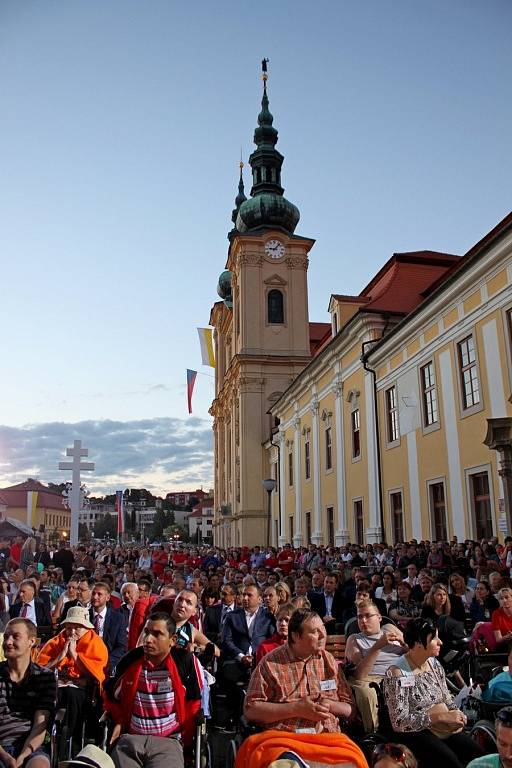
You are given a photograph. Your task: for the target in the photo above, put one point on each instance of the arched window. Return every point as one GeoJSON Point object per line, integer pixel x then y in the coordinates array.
{"type": "Point", "coordinates": [275, 307]}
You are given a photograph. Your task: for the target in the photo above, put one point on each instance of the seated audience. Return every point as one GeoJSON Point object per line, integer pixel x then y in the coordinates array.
{"type": "Point", "coordinates": [392, 755]}
{"type": "Point", "coordinates": [244, 629]}
{"type": "Point", "coordinates": [502, 618]}
{"type": "Point", "coordinates": [298, 689]}
{"type": "Point", "coordinates": [329, 605]}
{"type": "Point", "coordinates": [108, 623]}
{"type": "Point", "coordinates": [27, 699]}
{"type": "Point", "coordinates": [280, 636]}
{"type": "Point", "coordinates": [483, 603]}
{"type": "Point", "coordinates": [371, 652]}
{"type": "Point", "coordinates": [29, 606]}
{"type": "Point", "coordinates": [215, 615]}
{"type": "Point", "coordinates": [153, 699]}
{"type": "Point", "coordinates": [420, 706]}
{"type": "Point", "coordinates": [81, 658]}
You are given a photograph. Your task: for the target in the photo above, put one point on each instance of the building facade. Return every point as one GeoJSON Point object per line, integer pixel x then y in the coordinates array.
{"type": "Point", "coordinates": [47, 516]}
{"type": "Point", "coordinates": [200, 522]}
{"type": "Point", "coordinates": [382, 435]}
{"type": "Point", "coordinates": [372, 427]}
{"type": "Point", "coordinates": [262, 338]}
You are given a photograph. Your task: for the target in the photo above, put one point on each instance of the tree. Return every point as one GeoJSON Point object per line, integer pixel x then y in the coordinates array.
{"type": "Point", "coordinates": [106, 527]}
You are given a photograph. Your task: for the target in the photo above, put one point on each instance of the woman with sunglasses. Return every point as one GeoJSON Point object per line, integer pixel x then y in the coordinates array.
{"type": "Point", "coordinates": [390, 755]}
{"type": "Point", "coordinates": [420, 706]}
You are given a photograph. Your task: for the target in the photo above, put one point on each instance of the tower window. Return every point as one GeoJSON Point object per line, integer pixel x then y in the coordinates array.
{"type": "Point", "coordinates": [275, 307]}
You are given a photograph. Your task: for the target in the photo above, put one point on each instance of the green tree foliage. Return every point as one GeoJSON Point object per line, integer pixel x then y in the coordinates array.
{"type": "Point", "coordinates": [106, 527]}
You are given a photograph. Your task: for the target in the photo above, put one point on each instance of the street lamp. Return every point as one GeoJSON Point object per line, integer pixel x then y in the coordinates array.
{"type": "Point", "coordinates": [269, 485]}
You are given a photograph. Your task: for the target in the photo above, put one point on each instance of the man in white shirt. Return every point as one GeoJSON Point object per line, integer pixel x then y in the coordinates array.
{"type": "Point", "coordinates": [108, 623]}
{"type": "Point", "coordinates": [372, 650]}
{"type": "Point", "coordinates": [244, 629]}
{"type": "Point", "coordinates": [412, 575]}
{"type": "Point", "coordinates": [28, 606]}
{"type": "Point", "coordinates": [130, 595]}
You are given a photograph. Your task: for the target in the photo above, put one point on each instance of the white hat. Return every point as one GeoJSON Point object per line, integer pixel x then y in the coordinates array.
{"type": "Point", "coordinates": [90, 756]}
{"type": "Point", "coordinates": [78, 615]}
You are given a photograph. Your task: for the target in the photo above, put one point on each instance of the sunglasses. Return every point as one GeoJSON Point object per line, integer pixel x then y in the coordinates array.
{"type": "Point", "coordinates": [389, 750]}
{"type": "Point", "coordinates": [504, 716]}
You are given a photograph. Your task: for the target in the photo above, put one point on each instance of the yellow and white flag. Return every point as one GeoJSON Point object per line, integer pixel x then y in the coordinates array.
{"type": "Point", "coordinates": [31, 508]}
{"type": "Point", "coordinates": [206, 342]}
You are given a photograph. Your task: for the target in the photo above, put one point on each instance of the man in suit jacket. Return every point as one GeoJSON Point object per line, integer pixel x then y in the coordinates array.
{"type": "Point", "coordinates": [108, 623]}
{"type": "Point", "coordinates": [215, 616]}
{"type": "Point", "coordinates": [28, 606]}
{"type": "Point", "coordinates": [330, 604]}
{"type": "Point", "coordinates": [244, 629]}
{"type": "Point", "coordinates": [83, 600]}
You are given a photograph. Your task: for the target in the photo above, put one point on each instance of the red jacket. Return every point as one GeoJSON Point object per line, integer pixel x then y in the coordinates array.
{"type": "Point", "coordinates": [119, 695]}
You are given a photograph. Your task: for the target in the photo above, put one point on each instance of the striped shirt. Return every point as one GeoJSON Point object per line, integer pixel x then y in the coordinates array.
{"type": "Point", "coordinates": [153, 707]}
{"type": "Point", "coordinates": [20, 701]}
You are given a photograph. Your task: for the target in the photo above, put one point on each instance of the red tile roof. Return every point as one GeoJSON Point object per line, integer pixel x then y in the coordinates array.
{"type": "Point", "coordinates": [319, 335]}
{"type": "Point", "coordinates": [403, 281]}
{"type": "Point", "coordinates": [16, 495]}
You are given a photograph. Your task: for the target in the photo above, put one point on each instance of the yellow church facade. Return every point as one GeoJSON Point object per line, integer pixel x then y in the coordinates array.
{"type": "Point", "coordinates": [370, 427]}
{"type": "Point", "coordinates": [381, 437]}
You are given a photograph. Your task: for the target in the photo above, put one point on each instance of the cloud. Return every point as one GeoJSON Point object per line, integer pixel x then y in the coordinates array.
{"type": "Point", "coordinates": [159, 454]}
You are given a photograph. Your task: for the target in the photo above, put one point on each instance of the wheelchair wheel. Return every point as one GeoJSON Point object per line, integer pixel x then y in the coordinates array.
{"type": "Point", "coordinates": [368, 744]}
{"type": "Point", "coordinates": [485, 736]}
{"type": "Point", "coordinates": [231, 751]}
{"type": "Point", "coordinates": [206, 755]}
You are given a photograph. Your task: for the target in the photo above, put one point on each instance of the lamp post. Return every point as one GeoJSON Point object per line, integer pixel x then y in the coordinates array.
{"type": "Point", "coordinates": [269, 485]}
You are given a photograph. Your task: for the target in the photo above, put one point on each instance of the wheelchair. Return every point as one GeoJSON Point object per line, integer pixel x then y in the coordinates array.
{"type": "Point", "coordinates": [65, 744]}
{"type": "Point", "coordinates": [484, 731]}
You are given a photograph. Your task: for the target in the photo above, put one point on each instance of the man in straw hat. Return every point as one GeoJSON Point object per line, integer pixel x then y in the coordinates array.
{"type": "Point", "coordinates": [81, 657]}
{"type": "Point", "coordinates": [27, 697]}
{"type": "Point", "coordinates": [153, 699]}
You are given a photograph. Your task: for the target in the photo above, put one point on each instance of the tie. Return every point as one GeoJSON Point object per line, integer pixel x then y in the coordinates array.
{"type": "Point", "coordinates": [223, 615]}
{"type": "Point", "coordinates": [24, 611]}
{"type": "Point", "coordinates": [97, 623]}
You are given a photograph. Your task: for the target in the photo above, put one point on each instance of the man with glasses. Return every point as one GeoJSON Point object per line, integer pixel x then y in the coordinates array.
{"type": "Point", "coordinates": [503, 757]}
{"type": "Point", "coordinates": [83, 600]}
{"type": "Point", "coordinates": [371, 651]}
{"type": "Point", "coordinates": [215, 615]}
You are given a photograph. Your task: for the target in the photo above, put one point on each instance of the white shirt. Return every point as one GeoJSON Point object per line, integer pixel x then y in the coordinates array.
{"type": "Point", "coordinates": [101, 613]}
{"type": "Point", "coordinates": [31, 612]}
{"type": "Point", "coordinates": [328, 604]}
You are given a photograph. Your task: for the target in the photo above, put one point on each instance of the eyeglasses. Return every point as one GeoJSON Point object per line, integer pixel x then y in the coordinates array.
{"type": "Point", "coordinates": [366, 615]}
{"type": "Point", "coordinates": [504, 716]}
{"type": "Point", "coordinates": [390, 750]}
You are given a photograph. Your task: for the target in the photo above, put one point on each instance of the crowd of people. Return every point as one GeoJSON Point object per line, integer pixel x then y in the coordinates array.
{"type": "Point", "coordinates": [136, 631]}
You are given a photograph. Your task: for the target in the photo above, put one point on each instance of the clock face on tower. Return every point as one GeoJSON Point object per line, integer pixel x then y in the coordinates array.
{"type": "Point", "coordinates": [274, 249]}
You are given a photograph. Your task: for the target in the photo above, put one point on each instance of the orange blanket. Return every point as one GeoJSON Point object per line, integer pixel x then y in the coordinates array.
{"type": "Point", "coordinates": [91, 650]}
{"type": "Point", "coordinates": [260, 750]}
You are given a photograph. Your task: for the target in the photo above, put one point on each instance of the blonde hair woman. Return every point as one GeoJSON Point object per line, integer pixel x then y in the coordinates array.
{"type": "Point", "coordinates": [284, 594]}
{"type": "Point", "coordinates": [502, 616]}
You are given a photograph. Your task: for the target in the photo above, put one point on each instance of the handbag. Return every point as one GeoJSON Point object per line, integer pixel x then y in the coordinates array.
{"type": "Point", "coordinates": [443, 730]}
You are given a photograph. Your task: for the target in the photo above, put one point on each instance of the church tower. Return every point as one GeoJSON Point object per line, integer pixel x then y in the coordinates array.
{"type": "Point", "coordinates": [262, 339]}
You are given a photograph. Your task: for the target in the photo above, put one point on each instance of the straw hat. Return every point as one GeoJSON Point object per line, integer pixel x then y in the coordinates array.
{"type": "Point", "coordinates": [78, 615]}
{"type": "Point", "coordinates": [90, 756]}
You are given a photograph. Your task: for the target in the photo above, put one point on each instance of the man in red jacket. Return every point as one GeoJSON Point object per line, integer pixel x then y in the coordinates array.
{"type": "Point", "coordinates": [153, 699]}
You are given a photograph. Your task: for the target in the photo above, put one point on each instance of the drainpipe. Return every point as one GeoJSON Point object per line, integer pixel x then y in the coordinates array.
{"type": "Point", "coordinates": [364, 361]}
{"type": "Point", "coordinates": [277, 421]}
